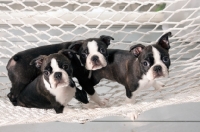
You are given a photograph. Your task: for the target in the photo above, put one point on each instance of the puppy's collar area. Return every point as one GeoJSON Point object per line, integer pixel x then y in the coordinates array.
{"type": "Point", "coordinates": [78, 56]}
{"type": "Point", "coordinates": [90, 74]}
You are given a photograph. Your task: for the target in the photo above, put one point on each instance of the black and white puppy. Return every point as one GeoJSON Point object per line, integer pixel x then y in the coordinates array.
{"type": "Point", "coordinates": [92, 54]}
{"type": "Point", "coordinates": [54, 88]}
{"type": "Point", "coordinates": [138, 68]}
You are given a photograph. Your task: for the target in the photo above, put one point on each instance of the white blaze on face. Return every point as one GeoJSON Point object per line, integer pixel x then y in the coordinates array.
{"type": "Point", "coordinates": [93, 50]}
{"type": "Point", "coordinates": [63, 92]}
{"type": "Point", "coordinates": [157, 61]}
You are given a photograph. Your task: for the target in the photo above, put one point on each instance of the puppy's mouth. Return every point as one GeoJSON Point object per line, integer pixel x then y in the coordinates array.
{"type": "Point", "coordinates": [96, 65]}
{"type": "Point", "coordinates": [61, 83]}
{"type": "Point", "coordinates": [158, 75]}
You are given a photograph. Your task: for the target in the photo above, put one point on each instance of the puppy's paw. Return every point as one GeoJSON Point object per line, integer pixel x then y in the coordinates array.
{"type": "Point", "coordinates": [104, 102]}
{"type": "Point", "coordinates": [133, 115]}
{"type": "Point", "coordinates": [12, 98]}
{"type": "Point", "coordinates": [67, 110]}
{"type": "Point", "coordinates": [99, 104]}
{"type": "Point", "coordinates": [130, 100]}
{"type": "Point", "coordinates": [98, 100]}
{"type": "Point", "coordinates": [90, 105]}
{"type": "Point", "coordinates": [158, 85]}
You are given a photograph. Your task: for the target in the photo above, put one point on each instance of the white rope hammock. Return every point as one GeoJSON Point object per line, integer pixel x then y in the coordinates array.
{"type": "Point", "coordinates": [32, 23]}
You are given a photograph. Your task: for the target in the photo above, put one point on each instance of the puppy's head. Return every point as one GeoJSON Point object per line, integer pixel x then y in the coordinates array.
{"type": "Point", "coordinates": [93, 52]}
{"type": "Point", "coordinates": [154, 59]}
{"type": "Point", "coordinates": [56, 69]}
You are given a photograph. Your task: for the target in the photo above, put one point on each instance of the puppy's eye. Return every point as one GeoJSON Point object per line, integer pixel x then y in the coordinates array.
{"type": "Point", "coordinates": [47, 73]}
{"type": "Point", "coordinates": [86, 51]}
{"type": "Point", "coordinates": [65, 66]}
{"type": "Point", "coordinates": [102, 50]}
{"type": "Point", "coordinates": [145, 63]}
{"type": "Point", "coordinates": [84, 55]}
{"type": "Point", "coordinates": [165, 59]}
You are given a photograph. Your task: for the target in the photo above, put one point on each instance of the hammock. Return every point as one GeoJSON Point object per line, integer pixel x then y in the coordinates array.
{"type": "Point", "coordinates": [26, 25]}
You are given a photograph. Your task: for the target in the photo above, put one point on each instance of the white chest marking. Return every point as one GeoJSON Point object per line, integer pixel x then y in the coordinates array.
{"type": "Point", "coordinates": [145, 83]}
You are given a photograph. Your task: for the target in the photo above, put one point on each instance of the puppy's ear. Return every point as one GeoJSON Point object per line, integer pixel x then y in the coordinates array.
{"type": "Point", "coordinates": [136, 49]}
{"type": "Point", "coordinates": [68, 53]}
{"type": "Point", "coordinates": [164, 41]}
{"type": "Point", "coordinates": [76, 46]}
{"type": "Point", "coordinates": [106, 39]}
{"type": "Point", "coordinates": [38, 61]}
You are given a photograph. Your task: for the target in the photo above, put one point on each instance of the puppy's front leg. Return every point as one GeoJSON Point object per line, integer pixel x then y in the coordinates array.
{"type": "Point", "coordinates": [97, 100]}
{"type": "Point", "coordinates": [67, 110]}
{"type": "Point", "coordinates": [158, 85]}
{"type": "Point", "coordinates": [81, 96]}
{"type": "Point", "coordinates": [88, 87]}
{"type": "Point", "coordinates": [58, 108]}
{"type": "Point", "coordinates": [55, 105]}
{"type": "Point", "coordinates": [130, 96]}
{"type": "Point", "coordinates": [132, 99]}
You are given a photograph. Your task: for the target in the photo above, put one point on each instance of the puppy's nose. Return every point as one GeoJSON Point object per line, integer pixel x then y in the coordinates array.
{"type": "Point", "coordinates": [95, 58]}
{"type": "Point", "coordinates": [58, 75]}
{"type": "Point", "coordinates": [157, 68]}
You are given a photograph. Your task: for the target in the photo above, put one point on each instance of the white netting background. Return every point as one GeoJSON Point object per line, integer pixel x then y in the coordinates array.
{"type": "Point", "coordinates": [31, 23]}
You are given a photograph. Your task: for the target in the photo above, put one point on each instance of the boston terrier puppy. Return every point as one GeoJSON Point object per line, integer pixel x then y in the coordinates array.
{"type": "Point", "coordinates": [92, 54]}
{"type": "Point", "coordinates": [138, 68]}
{"type": "Point", "coordinates": [54, 88]}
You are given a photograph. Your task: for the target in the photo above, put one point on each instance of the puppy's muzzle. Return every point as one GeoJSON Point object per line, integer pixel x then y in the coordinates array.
{"type": "Point", "coordinates": [58, 76]}
{"type": "Point", "coordinates": [157, 71]}
{"type": "Point", "coordinates": [157, 68]}
{"type": "Point", "coordinates": [95, 60]}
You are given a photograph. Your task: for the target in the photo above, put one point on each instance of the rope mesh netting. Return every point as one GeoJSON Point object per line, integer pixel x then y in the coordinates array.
{"type": "Point", "coordinates": [31, 23]}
